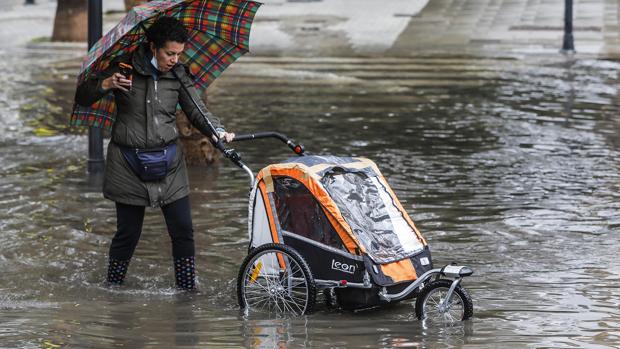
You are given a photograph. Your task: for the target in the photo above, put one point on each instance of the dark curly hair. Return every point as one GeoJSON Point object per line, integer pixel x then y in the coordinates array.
{"type": "Point", "coordinates": [166, 29]}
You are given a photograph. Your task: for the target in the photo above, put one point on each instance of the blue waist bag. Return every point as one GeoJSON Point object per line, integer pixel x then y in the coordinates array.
{"type": "Point", "coordinates": [150, 164]}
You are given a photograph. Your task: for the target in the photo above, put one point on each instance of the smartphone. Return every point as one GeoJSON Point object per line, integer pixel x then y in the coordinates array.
{"type": "Point", "coordinates": [125, 69]}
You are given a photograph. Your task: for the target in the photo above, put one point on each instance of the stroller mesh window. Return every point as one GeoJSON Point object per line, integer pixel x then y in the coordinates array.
{"type": "Point", "coordinates": [300, 213]}
{"type": "Point", "coordinates": [374, 218]}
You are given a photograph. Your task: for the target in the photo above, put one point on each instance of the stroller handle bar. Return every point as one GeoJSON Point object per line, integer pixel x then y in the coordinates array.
{"type": "Point", "coordinates": [296, 148]}
{"type": "Point", "coordinates": [232, 155]}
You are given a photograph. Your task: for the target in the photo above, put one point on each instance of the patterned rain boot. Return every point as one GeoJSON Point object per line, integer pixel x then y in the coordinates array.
{"type": "Point", "coordinates": [117, 269]}
{"type": "Point", "coordinates": [184, 271]}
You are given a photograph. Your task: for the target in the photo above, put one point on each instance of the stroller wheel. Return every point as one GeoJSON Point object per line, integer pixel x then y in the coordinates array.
{"type": "Point", "coordinates": [428, 304]}
{"type": "Point", "coordinates": [275, 278]}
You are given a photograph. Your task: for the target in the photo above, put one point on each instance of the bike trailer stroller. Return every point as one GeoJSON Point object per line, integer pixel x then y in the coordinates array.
{"type": "Point", "coordinates": [334, 224]}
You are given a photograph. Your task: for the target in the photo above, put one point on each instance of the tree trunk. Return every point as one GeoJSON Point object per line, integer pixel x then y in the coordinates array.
{"type": "Point", "coordinates": [131, 3]}
{"type": "Point", "coordinates": [71, 21]}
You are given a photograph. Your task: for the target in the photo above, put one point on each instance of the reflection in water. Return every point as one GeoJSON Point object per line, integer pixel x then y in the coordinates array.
{"type": "Point", "coordinates": [186, 327]}
{"type": "Point", "coordinates": [507, 164]}
{"type": "Point", "coordinates": [275, 333]}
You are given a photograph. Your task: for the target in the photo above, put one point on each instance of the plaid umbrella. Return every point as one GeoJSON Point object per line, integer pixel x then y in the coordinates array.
{"type": "Point", "coordinates": [219, 34]}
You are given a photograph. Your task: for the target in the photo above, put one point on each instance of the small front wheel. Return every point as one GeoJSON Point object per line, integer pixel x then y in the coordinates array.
{"type": "Point", "coordinates": [430, 303]}
{"type": "Point", "coordinates": [276, 279]}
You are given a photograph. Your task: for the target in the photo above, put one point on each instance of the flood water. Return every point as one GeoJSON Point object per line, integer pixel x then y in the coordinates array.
{"type": "Point", "coordinates": [508, 164]}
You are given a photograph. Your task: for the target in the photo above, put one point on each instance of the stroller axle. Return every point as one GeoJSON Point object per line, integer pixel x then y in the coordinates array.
{"type": "Point", "coordinates": [323, 284]}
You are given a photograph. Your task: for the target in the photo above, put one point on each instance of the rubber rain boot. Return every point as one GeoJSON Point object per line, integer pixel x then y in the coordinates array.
{"type": "Point", "coordinates": [185, 274]}
{"type": "Point", "coordinates": [117, 269]}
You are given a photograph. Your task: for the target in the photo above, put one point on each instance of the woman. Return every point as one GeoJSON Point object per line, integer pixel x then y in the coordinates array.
{"type": "Point", "coordinates": [143, 166]}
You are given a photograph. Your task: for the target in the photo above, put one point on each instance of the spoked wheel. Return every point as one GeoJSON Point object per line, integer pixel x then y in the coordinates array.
{"type": "Point", "coordinates": [274, 278]}
{"type": "Point", "coordinates": [429, 306]}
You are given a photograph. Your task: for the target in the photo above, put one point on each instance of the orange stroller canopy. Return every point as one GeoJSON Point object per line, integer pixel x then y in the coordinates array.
{"type": "Point", "coordinates": [342, 202]}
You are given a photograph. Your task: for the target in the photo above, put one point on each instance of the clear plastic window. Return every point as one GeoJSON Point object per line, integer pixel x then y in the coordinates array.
{"type": "Point", "coordinates": [373, 216]}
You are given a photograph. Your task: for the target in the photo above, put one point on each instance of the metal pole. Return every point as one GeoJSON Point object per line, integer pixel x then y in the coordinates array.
{"type": "Point", "coordinates": [569, 44]}
{"type": "Point", "coordinates": [96, 163]}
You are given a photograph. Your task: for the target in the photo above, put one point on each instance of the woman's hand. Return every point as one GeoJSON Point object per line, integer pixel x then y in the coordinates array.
{"type": "Point", "coordinates": [117, 80]}
{"type": "Point", "coordinates": [227, 136]}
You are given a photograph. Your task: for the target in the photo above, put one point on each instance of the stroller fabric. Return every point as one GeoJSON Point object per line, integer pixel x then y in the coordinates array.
{"type": "Point", "coordinates": [338, 201]}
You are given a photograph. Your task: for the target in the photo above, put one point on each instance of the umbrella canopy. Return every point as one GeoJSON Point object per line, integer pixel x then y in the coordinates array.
{"type": "Point", "coordinates": [219, 33]}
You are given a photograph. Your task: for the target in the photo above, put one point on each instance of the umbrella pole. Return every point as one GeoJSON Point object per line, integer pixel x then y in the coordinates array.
{"type": "Point", "coordinates": [96, 164]}
{"type": "Point", "coordinates": [230, 154]}
{"type": "Point", "coordinates": [218, 143]}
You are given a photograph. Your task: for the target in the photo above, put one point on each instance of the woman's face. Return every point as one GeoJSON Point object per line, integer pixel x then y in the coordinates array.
{"type": "Point", "coordinates": [168, 55]}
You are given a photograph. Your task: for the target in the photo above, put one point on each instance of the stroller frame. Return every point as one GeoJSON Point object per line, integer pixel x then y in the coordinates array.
{"type": "Point", "coordinates": [276, 276]}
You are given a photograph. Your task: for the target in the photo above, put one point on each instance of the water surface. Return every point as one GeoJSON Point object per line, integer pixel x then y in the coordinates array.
{"type": "Point", "coordinates": [507, 163]}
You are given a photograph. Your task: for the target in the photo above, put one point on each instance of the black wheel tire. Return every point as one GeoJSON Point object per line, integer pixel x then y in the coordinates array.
{"type": "Point", "coordinates": [440, 285]}
{"type": "Point", "coordinates": [293, 255]}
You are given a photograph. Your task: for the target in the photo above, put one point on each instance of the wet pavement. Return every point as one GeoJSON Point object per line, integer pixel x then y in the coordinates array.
{"type": "Point", "coordinates": [535, 26]}
{"type": "Point", "coordinates": [506, 160]}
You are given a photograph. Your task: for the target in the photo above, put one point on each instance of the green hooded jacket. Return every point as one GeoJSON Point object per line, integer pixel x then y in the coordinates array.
{"type": "Point", "coordinates": [146, 118]}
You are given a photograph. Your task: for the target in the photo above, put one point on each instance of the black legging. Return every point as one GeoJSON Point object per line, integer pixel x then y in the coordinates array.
{"type": "Point", "coordinates": [129, 221]}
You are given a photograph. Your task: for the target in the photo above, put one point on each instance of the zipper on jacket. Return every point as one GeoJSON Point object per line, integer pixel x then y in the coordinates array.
{"type": "Point", "coordinates": [157, 99]}
{"type": "Point", "coordinates": [146, 115]}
